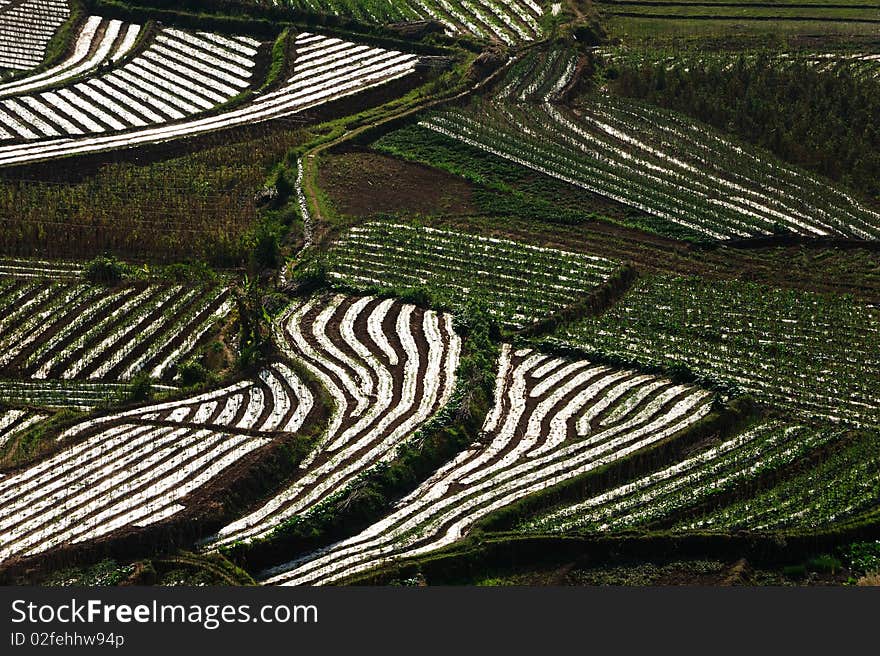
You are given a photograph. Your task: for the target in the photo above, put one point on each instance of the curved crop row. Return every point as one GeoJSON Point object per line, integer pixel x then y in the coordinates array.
{"type": "Point", "coordinates": [553, 419]}
{"type": "Point", "coordinates": [177, 75]}
{"type": "Point", "coordinates": [387, 365]}
{"type": "Point", "coordinates": [651, 159]}
{"type": "Point", "coordinates": [77, 331]}
{"type": "Point", "coordinates": [99, 42]}
{"type": "Point", "coordinates": [136, 468]}
{"type": "Point", "coordinates": [14, 421]}
{"type": "Point", "coordinates": [25, 30]}
{"type": "Point", "coordinates": [324, 69]}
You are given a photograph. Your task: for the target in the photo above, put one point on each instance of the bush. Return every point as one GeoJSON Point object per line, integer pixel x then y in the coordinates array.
{"type": "Point", "coordinates": [105, 270]}
{"type": "Point", "coordinates": [267, 249]}
{"type": "Point", "coordinates": [141, 388]}
{"type": "Point", "coordinates": [192, 373]}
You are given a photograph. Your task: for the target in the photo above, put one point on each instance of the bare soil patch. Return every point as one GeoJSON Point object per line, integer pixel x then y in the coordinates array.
{"type": "Point", "coordinates": [366, 183]}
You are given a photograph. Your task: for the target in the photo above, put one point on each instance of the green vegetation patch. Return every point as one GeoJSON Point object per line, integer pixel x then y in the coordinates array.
{"type": "Point", "coordinates": [813, 353]}
{"type": "Point", "coordinates": [518, 283]}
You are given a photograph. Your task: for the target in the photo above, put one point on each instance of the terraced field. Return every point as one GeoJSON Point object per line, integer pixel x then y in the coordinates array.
{"type": "Point", "coordinates": [75, 394]}
{"type": "Point", "coordinates": [553, 419]}
{"type": "Point", "coordinates": [26, 27]}
{"type": "Point", "coordinates": [99, 42]}
{"type": "Point", "coordinates": [437, 282]}
{"type": "Point", "coordinates": [650, 159]}
{"type": "Point", "coordinates": [16, 420]}
{"type": "Point", "coordinates": [699, 481]}
{"type": "Point", "coordinates": [507, 21]}
{"type": "Point", "coordinates": [388, 367]}
{"type": "Point", "coordinates": [816, 355]}
{"type": "Point", "coordinates": [154, 98]}
{"type": "Point", "coordinates": [137, 468]}
{"type": "Point", "coordinates": [518, 283]}
{"type": "Point", "coordinates": [179, 74]}
{"type": "Point", "coordinates": [76, 331]}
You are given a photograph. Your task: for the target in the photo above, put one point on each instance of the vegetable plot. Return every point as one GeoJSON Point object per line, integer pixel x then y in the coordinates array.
{"type": "Point", "coordinates": [387, 365]}
{"type": "Point", "coordinates": [66, 330]}
{"type": "Point", "coordinates": [76, 394]}
{"type": "Point", "coordinates": [553, 419]}
{"type": "Point", "coordinates": [26, 28]}
{"type": "Point", "coordinates": [27, 268]}
{"type": "Point", "coordinates": [136, 468]}
{"type": "Point", "coordinates": [325, 69]}
{"type": "Point", "coordinates": [100, 41]}
{"type": "Point", "coordinates": [178, 74]}
{"type": "Point", "coordinates": [837, 488]}
{"type": "Point", "coordinates": [519, 283]}
{"type": "Point", "coordinates": [650, 159]}
{"type": "Point", "coordinates": [14, 421]}
{"type": "Point", "coordinates": [508, 21]}
{"type": "Point", "coordinates": [699, 479]}
{"type": "Point", "coordinates": [815, 354]}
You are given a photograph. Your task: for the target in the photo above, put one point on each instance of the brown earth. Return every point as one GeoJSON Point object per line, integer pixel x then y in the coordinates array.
{"type": "Point", "coordinates": [361, 184]}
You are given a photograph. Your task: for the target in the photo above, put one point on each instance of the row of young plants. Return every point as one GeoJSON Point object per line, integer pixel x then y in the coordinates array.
{"type": "Point", "coordinates": [519, 284]}
{"type": "Point", "coordinates": [64, 330]}
{"type": "Point", "coordinates": [508, 21]}
{"type": "Point", "coordinates": [26, 30]}
{"type": "Point", "coordinates": [552, 419]}
{"type": "Point", "coordinates": [649, 159]}
{"type": "Point", "coordinates": [814, 354]}
{"type": "Point", "coordinates": [838, 487]}
{"type": "Point", "coordinates": [77, 395]}
{"type": "Point", "coordinates": [704, 476]}
{"type": "Point", "coordinates": [134, 468]}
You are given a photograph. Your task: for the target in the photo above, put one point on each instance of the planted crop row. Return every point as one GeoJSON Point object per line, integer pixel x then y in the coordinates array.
{"type": "Point", "coordinates": [177, 75]}
{"type": "Point", "coordinates": [698, 479]}
{"type": "Point", "coordinates": [815, 354]}
{"type": "Point", "coordinates": [14, 421]}
{"type": "Point", "coordinates": [744, 11]}
{"type": "Point", "coordinates": [29, 268]}
{"type": "Point", "coordinates": [650, 159]}
{"type": "Point", "coordinates": [80, 395]}
{"type": "Point", "coordinates": [552, 419]}
{"type": "Point", "coordinates": [859, 64]}
{"type": "Point", "coordinates": [324, 69]}
{"type": "Point", "coordinates": [508, 21]}
{"type": "Point", "coordinates": [25, 30]}
{"type": "Point", "coordinates": [836, 488]}
{"type": "Point", "coordinates": [388, 367]}
{"type": "Point", "coordinates": [518, 283]}
{"type": "Point", "coordinates": [134, 469]}
{"type": "Point", "coordinates": [65, 330]}
{"type": "Point", "coordinates": [100, 42]}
